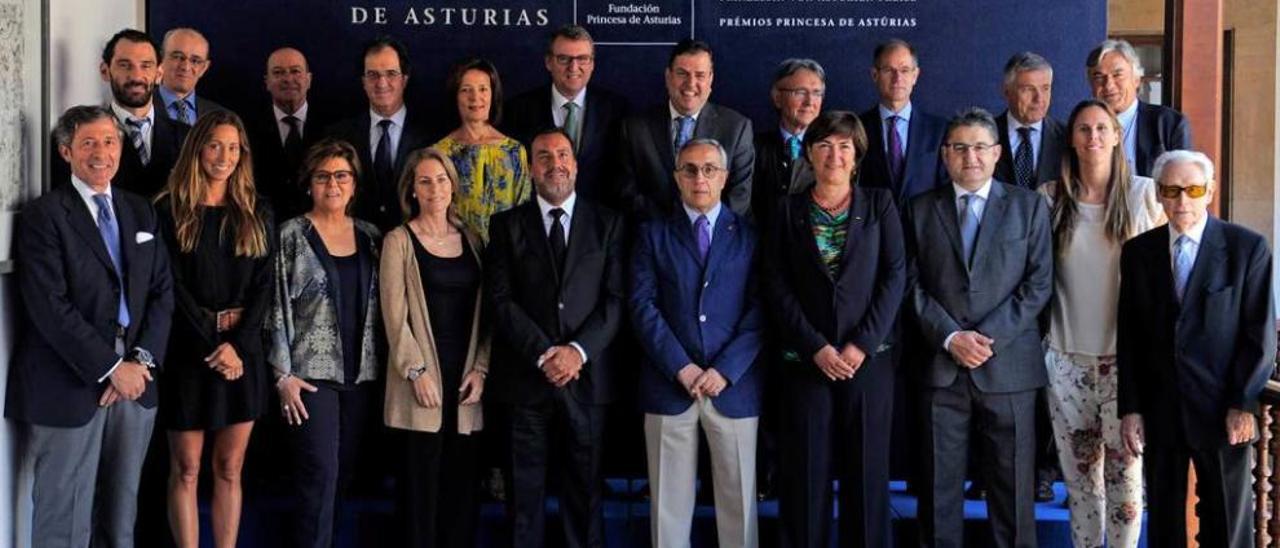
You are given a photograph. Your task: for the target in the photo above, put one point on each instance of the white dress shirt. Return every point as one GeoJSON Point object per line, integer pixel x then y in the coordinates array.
{"type": "Point", "coordinates": [545, 208]}
{"type": "Point", "coordinates": [375, 132]}
{"type": "Point", "coordinates": [124, 116]}
{"type": "Point", "coordinates": [559, 101]}
{"type": "Point", "coordinates": [301, 115]}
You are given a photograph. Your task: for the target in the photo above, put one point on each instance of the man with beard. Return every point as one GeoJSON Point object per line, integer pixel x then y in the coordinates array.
{"type": "Point", "coordinates": [554, 278]}
{"type": "Point", "coordinates": [282, 132]}
{"type": "Point", "coordinates": [186, 59]}
{"type": "Point", "coordinates": [131, 66]}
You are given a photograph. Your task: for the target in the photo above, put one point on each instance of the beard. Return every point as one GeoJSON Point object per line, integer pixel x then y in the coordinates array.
{"type": "Point", "coordinates": [554, 188]}
{"type": "Point", "coordinates": [122, 93]}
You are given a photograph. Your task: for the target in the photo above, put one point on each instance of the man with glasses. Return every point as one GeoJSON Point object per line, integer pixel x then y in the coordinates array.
{"type": "Point", "coordinates": [798, 88]}
{"type": "Point", "coordinates": [385, 133]}
{"type": "Point", "coordinates": [590, 116]}
{"type": "Point", "coordinates": [186, 59]}
{"type": "Point", "coordinates": [1195, 344]}
{"type": "Point", "coordinates": [649, 141]}
{"type": "Point", "coordinates": [980, 259]}
{"type": "Point", "coordinates": [282, 132]}
{"type": "Point", "coordinates": [902, 142]}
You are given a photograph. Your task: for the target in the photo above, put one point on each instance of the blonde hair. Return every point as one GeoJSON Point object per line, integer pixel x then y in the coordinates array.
{"type": "Point", "coordinates": [407, 203]}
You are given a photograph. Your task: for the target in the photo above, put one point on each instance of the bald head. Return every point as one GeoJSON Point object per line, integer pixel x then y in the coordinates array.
{"type": "Point", "coordinates": [186, 58]}
{"type": "Point", "coordinates": [288, 79]}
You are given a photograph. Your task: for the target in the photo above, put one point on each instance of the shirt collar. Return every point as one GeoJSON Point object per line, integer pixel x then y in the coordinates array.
{"type": "Point", "coordinates": [675, 114]}
{"type": "Point", "coordinates": [168, 97]}
{"type": "Point", "coordinates": [124, 115]}
{"type": "Point", "coordinates": [558, 101]}
{"type": "Point", "coordinates": [983, 191]}
{"type": "Point", "coordinates": [1014, 124]}
{"type": "Point", "coordinates": [1127, 116]}
{"type": "Point", "coordinates": [905, 113]}
{"type": "Point", "coordinates": [397, 119]}
{"type": "Point", "coordinates": [545, 207]}
{"type": "Point", "coordinates": [786, 136]}
{"type": "Point", "coordinates": [300, 114]}
{"type": "Point", "coordinates": [711, 215]}
{"type": "Point", "coordinates": [1196, 232]}
{"type": "Point", "coordinates": [87, 192]}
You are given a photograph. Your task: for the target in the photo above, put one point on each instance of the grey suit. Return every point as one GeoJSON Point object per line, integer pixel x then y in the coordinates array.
{"type": "Point", "coordinates": [1000, 295]}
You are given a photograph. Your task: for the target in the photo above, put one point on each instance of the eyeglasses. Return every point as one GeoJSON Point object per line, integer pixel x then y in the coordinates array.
{"type": "Point", "coordinates": [180, 58]}
{"type": "Point", "coordinates": [374, 76]}
{"type": "Point", "coordinates": [964, 148]}
{"type": "Point", "coordinates": [801, 93]}
{"type": "Point", "coordinates": [566, 60]}
{"type": "Point", "coordinates": [1171, 192]}
{"type": "Point", "coordinates": [693, 170]}
{"type": "Point", "coordinates": [323, 177]}
{"type": "Point", "coordinates": [900, 71]}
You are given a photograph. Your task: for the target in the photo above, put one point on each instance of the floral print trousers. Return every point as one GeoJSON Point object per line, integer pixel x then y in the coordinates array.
{"type": "Point", "coordinates": [1103, 481]}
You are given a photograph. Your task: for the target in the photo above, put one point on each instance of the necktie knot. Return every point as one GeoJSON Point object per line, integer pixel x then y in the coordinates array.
{"type": "Point", "coordinates": [385, 124]}
{"type": "Point", "coordinates": [684, 132]}
{"type": "Point", "coordinates": [138, 123]}
{"type": "Point", "coordinates": [556, 214]}
{"type": "Point", "coordinates": [104, 205]}
{"type": "Point", "coordinates": [1025, 131]}
{"type": "Point", "coordinates": [292, 122]}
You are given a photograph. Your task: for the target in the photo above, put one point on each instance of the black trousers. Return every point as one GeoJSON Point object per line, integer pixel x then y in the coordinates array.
{"type": "Point", "coordinates": [438, 489]}
{"type": "Point", "coordinates": [568, 432]}
{"type": "Point", "coordinates": [1223, 483]}
{"type": "Point", "coordinates": [841, 427]}
{"type": "Point", "coordinates": [325, 450]}
{"type": "Point", "coordinates": [1005, 426]}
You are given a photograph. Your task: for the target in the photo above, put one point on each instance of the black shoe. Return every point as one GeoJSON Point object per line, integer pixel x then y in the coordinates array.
{"type": "Point", "coordinates": [1044, 491]}
{"type": "Point", "coordinates": [976, 491]}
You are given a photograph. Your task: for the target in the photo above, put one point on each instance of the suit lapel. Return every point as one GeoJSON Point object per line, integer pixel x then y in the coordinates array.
{"type": "Point", "coordinates": [1142, 143]}
{"type": "Point", "coordinates": [590, 126]}
{"type": "Point", "coordinates": [80, 219]}
{"type": "Point", "coordinates": [660, 128]}
{"type": "Point", "coordinates": [856, 226]}
{"type": "Point", "coordinates": [1212, 252]}
{"type": "Point", "coordinates": [1004, 165]}
{"type": "Point", "coordinates": [682, 231]}
{"type": "Point", "coordinates": [908, 151]}
{"type": "Point", "coordinates": [581, 220]}
{"type": "Point", "coordinates": [135, 270]}
{"type": "Point", "coordinates": [723, 237]}
{"type": "Point", "coordinates": [1049, 138]}
{"type": "Point", "coordinates": [802, 230]}
{"type": "Point", "coordinates": [944, 205]}
{"type": "Point", "coordinates": [536, 235]}
{"type": "Point", "coordinates": [992, 221]}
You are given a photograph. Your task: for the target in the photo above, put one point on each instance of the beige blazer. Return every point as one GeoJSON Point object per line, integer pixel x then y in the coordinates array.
{"type": "Point", "coordinates": [411, 343]}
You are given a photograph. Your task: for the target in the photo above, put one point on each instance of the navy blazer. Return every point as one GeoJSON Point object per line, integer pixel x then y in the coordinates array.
{"type": "Point", "coordinates": [70, 297]}
{"type": "Point", "coordinates": [1181, 366]}
{"type": "Point", "coordinates": [684, 312]}
{"type": "Point", "coordinates": [923, 169]}
{"type": "Point", "coordinates": [1160, 129]}
{"type": "Point", "coordinates": [1053, 137]}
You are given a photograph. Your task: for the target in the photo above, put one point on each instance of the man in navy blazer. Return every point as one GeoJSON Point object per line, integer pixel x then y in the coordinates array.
{"type": "Point", "coordinates": [915, 166]}
{"type": "Point", "coordinates": [1196, 343]}
{"type": "Point", "coordinates": [696, 314]}
{"type": "Point", "coordinates": [1115, 76]}
{"type": "Point", "coordinates": [96, 295]}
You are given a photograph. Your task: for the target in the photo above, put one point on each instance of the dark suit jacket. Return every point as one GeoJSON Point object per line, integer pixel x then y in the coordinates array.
{"type": "Point", "coordinates": [380, 206]}
{"type": "Point", "coordinates": [536, 308]}
{"type": "Point", "coordinates": [70, 296]}
{"type": "Point", "coordinates": [1001, 296]}
{"type": "Point", "coordinates": [1181, 366]}
{"type": "Point", "coordinates": [646, 180]}
{"type": "Point", "coordinates": [148, 180]}
{"type": "Point", "coordinates": [1160, 129]}
{"type": "Point", "coordinates": [1053, 137]}
{"type": "Point", "coordinates": [275, 176]}
{"type": "Point", "coordinates": [684, 313]}
{"type": "Point", "coordinates": [810, 308]}
{"type": "Point", "coordinates": [922, 170]}
{"type": "Point", "coordinates": [203, 106]}
{"type": "Point", "coordinates": [530, 112]}
{"type": "Point", "coordinates": [773, 176]}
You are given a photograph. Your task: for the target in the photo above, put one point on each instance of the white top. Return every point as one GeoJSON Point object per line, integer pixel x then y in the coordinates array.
{"type": "Point", "coordinates": [1087, 274]}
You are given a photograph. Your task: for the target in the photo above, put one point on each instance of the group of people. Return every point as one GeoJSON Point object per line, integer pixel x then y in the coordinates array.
{"type": "Point", "coordinates": [186, 262]}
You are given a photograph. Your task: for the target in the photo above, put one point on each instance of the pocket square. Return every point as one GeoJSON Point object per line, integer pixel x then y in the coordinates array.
{"type": "Point", "coordinates": [144, 237]}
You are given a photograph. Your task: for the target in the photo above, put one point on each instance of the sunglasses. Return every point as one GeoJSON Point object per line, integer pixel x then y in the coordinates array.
{"type": "Point", "coordinates": [1171, 192]}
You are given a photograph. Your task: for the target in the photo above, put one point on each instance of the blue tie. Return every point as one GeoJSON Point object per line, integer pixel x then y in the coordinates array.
{"type": "Point", "coordinates": [1182, 262]}
{"type": "Point", "coordinates": [702, 226]}
{"type": "Point", "coordinates": [684, 132]}
{"type": "Point", "coordinates": [111, 236]}
{"type": "Point", "coordinates": [969, 224]}
{"type": "Point", "coordinates": [793, 147]}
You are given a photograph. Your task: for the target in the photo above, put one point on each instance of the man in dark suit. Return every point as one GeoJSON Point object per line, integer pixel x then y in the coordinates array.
{"type": "Point", "coordinates": [554, 276]}
{"type": "Point", "coordinates": [281, 134]}
{"type": "Point", "coordinates": [700, 326]}
{"type": "Point", "coordinates": [649, 141]}
{"type": "Point", "coordinates": [903, 142]}
{"type": "Point", "coordinates": [589, 114]}
{"type": "Point", "coordinates": [797, 92]}
{"type": "Point", "coordinates": [96, 295]}
{"type": "Point", "coordinates": [1115, 76]}
{"type": "Point", "coordinates": [1196, 343]}
{"type": "Point", "coordinates": [385, 134]}
{"type": "Point", "coordinates": [980, 270]}
{"type": "Point", "coordinates": [1030, 140]}
{"type": "Point", "coordinates": [186, 59]}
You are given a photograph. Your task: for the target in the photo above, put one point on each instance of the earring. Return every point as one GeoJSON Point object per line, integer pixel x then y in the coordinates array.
{"type": "Point", "coordinates": [308, 192]}
{"type": "Point", "coordinates": [414, 195]}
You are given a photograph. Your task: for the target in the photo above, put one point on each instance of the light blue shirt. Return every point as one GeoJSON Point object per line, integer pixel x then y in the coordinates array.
{"type": "Point", "coordinates": [1015, 138]}
{"type": "Point", "coordinates": [1194, 234]}
{"type": "Point", "coordinates": [786, 135]}
{"type": "Point", "coordinates": [170, 99]}
{"type": "Point", "coordinates": [558, 112]}
{"type": "Point", "coordinates": [979, 206]}
{"type": "Point", "coordinates": [375, 132]}
{"type": "Point", "coordinates": [904, 121]}
{"type": "Point", "coordinates": [711, 218]}
{"type": "Point", "coordinates": [1128, 124]}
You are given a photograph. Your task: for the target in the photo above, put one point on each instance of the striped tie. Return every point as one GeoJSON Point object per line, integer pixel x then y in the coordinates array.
{"type": "Point", "coordinates": [138, 128]}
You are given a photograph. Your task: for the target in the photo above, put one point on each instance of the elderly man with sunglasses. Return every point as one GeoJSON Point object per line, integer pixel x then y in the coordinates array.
{"type": "Point", "coordinates": [1196, 343]}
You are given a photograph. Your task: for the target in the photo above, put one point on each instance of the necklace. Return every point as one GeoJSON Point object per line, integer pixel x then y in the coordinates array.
{"type": "Point", "coordinates": [438, 239]}
{"type": "Point", "coordinates": [833, 209]}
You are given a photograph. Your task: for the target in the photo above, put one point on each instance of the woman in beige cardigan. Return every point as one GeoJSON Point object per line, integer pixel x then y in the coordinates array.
{"type": "Point", "coordinates": [438, 353]}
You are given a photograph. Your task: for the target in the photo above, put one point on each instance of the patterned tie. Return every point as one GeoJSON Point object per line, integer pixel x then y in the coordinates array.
{"type": "Point", "coordinates": [793, 147]}
{"type": "Point", "coordinates": [557, 240]}
{"type": "Point", "coordinates": [895, 150]}
{"type": "Point", "coordinates": [969, 222]}
{"type": "Point", "coordinates": [184, 114]}
{"type": "Point", "coordinates": [1023, 163]}
{"type": "Point", "coordinates": [1181, 265]}
{"type": "Point", "coordinates": [137, 129]}
{"type": "Point", "coordinates": [702, 229]}
{"type": "Point", "coordinates": [684, 132]}
{"type": "Point", "coordinates": [572, 125]}
{"type": "Point", "coordinates": [111, 237]}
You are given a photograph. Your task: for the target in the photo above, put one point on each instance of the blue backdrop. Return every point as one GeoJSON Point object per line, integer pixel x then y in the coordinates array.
{"type": "Point", "coordinates": [962, 44]}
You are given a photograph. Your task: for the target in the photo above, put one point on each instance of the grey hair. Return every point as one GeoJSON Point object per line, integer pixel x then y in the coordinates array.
{"type": "Point", "coordinates": [1180, 157]}
{"type": "Point", "coordinates": [164, 44]}
{"type": "Point", "coordinates": [1025, 61]}
{"type": "Point", "coordinates": [724, 156]}
{"type": "Point", "coordinates": [1123, 47]}
{"type": "Point", "coordinates": [64, 131]}
{"type": "Point", "coordinates": [973, 117]}
{"type": "Point", "coordinates": [794, 65]}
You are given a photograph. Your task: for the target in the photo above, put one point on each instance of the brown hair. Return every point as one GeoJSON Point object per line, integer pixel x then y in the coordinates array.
{"type": "Point", "coordinates": [408, 204]}
{"type": "Point", "coordinates": [1118, 222]}
{"type": "Point", "coordinates": [324, 150]}
{"type": "Point", "coordinates": [842, 123]}
{"type": "Point", "coordinates": [454, 82]}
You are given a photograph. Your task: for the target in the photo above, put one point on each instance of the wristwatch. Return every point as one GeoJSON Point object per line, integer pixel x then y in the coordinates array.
{"type": "Point", "coordinates": [140, 355]}
{"type": "Point", "coordinates": [415, 373]}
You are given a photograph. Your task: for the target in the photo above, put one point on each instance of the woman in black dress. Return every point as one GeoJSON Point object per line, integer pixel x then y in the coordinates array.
{"type": "Point", "coordinates": [219, 235]}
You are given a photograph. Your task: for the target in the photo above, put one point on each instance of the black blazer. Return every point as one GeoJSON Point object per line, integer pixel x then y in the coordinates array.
{"type": "Point", "coordinates": [203, 106]}
{"type": "Point", "coordinates": [1182, 366]}
{"type": "Point", "coordinates": [276, 176]}
{"type": "Point", "coordinates": [772, 177]}
{"type": "Point", "coordinates": [530, 112]}
{"type": "Point", "coordinates": [646, 175]}
{"type": "Point", "coordinates": [1048, 165]}
{"type": "Point", "coordinates": [1160, 129]}
{"type": "Point", "coordinates": [69, 296]}
{"type": "Point", "coordinates": [166, 142]}
{"type": "Point", "coordinates": [923, 169]}
{"type": "Point", "coordinates": [380, 206]}
{"type": "Point", "coordinates": [810, 308]}
{"type": "Point", "coordinates": [536, 308]}
{"type": "Point", "coordinates": [1000, 295]}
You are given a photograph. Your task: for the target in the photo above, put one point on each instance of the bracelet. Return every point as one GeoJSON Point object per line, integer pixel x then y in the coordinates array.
{"type": "Point", "coordinates": [281, 378]}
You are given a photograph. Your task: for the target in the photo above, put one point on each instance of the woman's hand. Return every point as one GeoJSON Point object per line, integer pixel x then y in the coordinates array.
{"type": "Point", "coordinates": [226, 361]}
{"type": "Point", "coordinates": [472, 388]}
{"type": "Point", "coordinates": [426, 391]}
{"type": "Point", "coordinates": [291, 408]}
